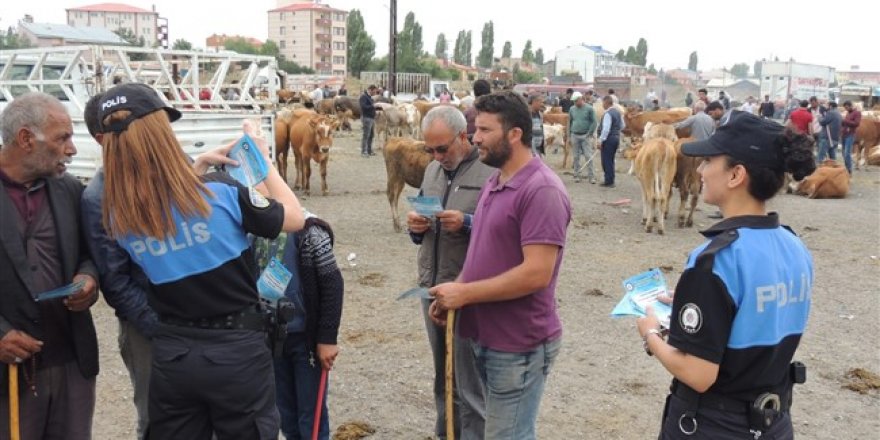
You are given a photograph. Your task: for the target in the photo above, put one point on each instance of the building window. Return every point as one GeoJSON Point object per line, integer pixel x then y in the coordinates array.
{"type": "Point", "coordinates": [281, 44]}
{"type": "Point", "coordinates": [293, 28]}
{"type": "Point", "coordinates": [281, 30]}
{"type": "Point", "coordinates": [338, 60]}
{"type": "Point", "coordinates": [281, 16]}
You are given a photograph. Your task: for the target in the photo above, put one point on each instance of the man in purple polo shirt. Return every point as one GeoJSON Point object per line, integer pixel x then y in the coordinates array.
{"type": "Point", "coordinates": [506, 290]}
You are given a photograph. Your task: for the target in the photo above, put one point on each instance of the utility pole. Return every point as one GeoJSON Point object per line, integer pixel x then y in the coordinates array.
{"type": "Point", "coordinates": [392, 50]}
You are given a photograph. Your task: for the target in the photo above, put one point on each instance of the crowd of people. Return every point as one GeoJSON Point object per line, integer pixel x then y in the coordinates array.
{"type": "Point", "coordinates": [180, 252]}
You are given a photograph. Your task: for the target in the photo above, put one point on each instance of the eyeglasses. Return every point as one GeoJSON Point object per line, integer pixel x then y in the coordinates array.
{"type": "Point", "coordinates": [440, 149]}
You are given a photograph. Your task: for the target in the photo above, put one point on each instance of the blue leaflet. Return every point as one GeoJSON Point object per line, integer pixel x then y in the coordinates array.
{"type": "Point", "coordinates": [274, 280]}
{"type": "Point", "coordinates": [425, 206]}
{"type": "Point", "coordinates": [641, 291]}
{"type": "Point", "coordinates": [62, 292]}
{"type": "Point", "coordinates": [252, 168]}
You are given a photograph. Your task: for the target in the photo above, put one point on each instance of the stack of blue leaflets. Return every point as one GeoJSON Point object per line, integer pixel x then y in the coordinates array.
{"type": "Point", "coordinates": [641, 291]}
{"type": "Point", "coordinates": [252, 168]}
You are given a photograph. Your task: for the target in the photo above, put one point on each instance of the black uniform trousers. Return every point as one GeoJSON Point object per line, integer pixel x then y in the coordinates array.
{"type": "Point", "coordinates": [718, 425]}
{"type": "Point", "coordinates": [206, 382]}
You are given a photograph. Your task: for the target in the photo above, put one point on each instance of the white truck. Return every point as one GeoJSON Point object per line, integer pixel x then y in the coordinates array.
{"type": "Point", "coordinates": [781, 79]}
{"type": "Point", "coordinates": [215, 92]}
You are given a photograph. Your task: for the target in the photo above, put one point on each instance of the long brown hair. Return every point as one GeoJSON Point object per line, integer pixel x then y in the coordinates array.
{"type": "Point", "coordinates": [146, 175]}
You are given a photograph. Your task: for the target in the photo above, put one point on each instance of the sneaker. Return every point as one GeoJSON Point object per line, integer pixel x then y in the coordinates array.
{"type": "Point", "coordinates": [577, 180]}
{"type": "Point", "coordinates": [592, 181]}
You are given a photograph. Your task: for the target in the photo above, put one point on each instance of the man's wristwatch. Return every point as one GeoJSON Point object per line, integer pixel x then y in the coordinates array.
{"type": "Point", "coordinates": [654, 331]}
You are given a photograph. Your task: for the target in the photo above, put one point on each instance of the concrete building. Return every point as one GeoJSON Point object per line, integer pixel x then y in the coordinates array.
{"type": "Point", "coordinates": [311, 34]}
{"type": "Point", "coordinates": [590, 62]}
{"type": "Point", "coordinates": [113, 16]}
{"type": "Point", "coordinates": [49, 34]}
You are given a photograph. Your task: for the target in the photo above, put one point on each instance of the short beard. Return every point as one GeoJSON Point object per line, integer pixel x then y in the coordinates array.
{"type": "Point", "coordinates": [496, 158]}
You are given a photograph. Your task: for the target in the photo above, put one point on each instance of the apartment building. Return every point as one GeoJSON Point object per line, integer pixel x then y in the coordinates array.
{"type": "Point", "coordinates": [113, 16]}
{"type": "Point", "coordinates": [311, 34]}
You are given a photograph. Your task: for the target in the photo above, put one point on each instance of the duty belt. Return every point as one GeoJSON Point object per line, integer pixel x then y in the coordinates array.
{"type": "Point", "coordinates": [249, 318]}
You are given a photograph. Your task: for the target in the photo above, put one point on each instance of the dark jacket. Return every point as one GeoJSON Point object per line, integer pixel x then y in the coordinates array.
{"type": "Point", "coordinates": [319, 280]}
{"type": "Point", "coordinates": [767, 109]}
{"type": "Point", "coordinates": [831, 124]}
{"type": "Point", "coordinates": [18, 310]}
{"type": "Point", "coordinates": [851, 122]}
{"type": "Point", "coordinates": [123, 283]}
{"type": "Point", "coordinates": [441, 255]}
{"type": "Point", "coordinates": [368, 110]}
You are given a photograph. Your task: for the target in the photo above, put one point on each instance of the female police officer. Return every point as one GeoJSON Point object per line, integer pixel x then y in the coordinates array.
{"type": "Point", "coordinates": [742, 303]}
{"type": "Point", "coordinates": [212, 371]}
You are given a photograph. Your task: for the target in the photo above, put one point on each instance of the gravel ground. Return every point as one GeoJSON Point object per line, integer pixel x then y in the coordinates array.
{"type": "Point", "coordinates": [602, 385]}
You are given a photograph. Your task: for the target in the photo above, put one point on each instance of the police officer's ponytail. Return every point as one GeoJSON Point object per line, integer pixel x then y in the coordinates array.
{"type": "Point", "coordinates": [796, 150]}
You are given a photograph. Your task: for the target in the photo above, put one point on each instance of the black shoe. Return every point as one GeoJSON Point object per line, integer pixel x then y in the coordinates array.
{"type": "Point", "coordinates": [607, 185]}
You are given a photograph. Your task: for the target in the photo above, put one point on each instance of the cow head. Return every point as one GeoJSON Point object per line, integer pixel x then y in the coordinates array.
{"type": "Point", "coordinates": [323, 128]}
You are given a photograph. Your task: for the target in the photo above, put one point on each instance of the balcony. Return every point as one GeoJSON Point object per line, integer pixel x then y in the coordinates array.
{"type": "Point", "coordinates": [323, 51]}
{"type": "Point", "coordinates": [323, 37]}
{"type": "Point", "coordinates": [321, 65]}
{"type": "Point", "coordinates": [325, 22]}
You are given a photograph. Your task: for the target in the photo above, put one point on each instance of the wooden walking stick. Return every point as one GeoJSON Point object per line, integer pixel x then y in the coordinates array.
{"type": "Point", "coordinates": [450, 404]}
{"type": "Point", "coordinates": [14, 433]}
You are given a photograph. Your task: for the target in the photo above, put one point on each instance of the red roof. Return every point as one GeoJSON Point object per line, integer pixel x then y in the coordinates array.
{"type": "Point", "coordinates": [306, 7]}
{"type": "Point", "coordinates": [111, 7]}
{"type": "Point", "coordinates": [216, 40]}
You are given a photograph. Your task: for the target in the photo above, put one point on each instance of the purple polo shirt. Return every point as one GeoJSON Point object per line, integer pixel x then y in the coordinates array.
{"type": "Point", "coordinates": [531, 208]}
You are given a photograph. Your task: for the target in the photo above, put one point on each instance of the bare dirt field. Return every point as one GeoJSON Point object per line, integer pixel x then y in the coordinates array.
{"type": "Point", "coordinates": [602, 386]}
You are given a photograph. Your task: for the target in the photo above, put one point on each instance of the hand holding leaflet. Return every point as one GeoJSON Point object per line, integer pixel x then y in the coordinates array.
{"type": "Point", "coordinates": [426, 206]}
{"type": "Point", "coordinates": [252, 167]}
{"type": "Point", "coordinates": [62, 292]}
{"type": "Point", "coordinates": [641, 291]}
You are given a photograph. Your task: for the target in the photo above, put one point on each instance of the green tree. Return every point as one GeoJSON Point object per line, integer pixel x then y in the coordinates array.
{"type": "Point", "coordinates": [522, 77]}
{"type": "Point", "coordinates": [621, 55]}
{"type": "Point", "coordinates": [740, 70]}
{"type": "Point", "coordinates": [11, 40]}
{"type": "Point", "coordinates": [292, 66]}
{"type": "Point", "coordinates": [507, 51]}
{"type": "Point", "coordinates": [361, 47]}
{"type": "Point", "coordinates": [468, 46]}
{"type": "Point", "coordinates": [240, 45]}
{"type": "Point", "coordinates": [757, 68]}
{"type": "Point", "coordinates": [642, 52]}
{"type": "Point", "coordinates": [487, 49]}
{"type": "Point", "coordinates": [181, 44]}
{"type": "Point", "coordinates": [459, 51]}
{"type": "Point", "coordinates": [527, 55]}
{"type": "Point", "coordinates": [631, 56]}
{"type": "Point", "coordinates": [270, 48]}
{"type": "Point", "coordinates": [132, 40]}
{"type": "Point", "coordinates": [652, 70]}
{"type": "Point", "coordinates": [539, 57]}
{"type": "Point", "coordinates": [441, 47]}
{"type": "Point", "coordinates": [409, 44]}
{"type": "Point", "coordinates": [692, 61]}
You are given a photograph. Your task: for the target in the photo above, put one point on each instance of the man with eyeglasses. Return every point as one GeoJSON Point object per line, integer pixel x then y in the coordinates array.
{"type": "Point", "coordinates": [456, 176]}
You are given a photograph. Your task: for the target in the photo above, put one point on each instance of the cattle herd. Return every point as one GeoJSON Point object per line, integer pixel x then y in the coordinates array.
{"type": "Point", "coordinates": [651, 142]}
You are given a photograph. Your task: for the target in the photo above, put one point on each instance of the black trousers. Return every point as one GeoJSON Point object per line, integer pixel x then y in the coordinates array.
{"type": "Point", "coordinates": [609, 149]}
{"type": "Point", "coordinates": [717, 425]}
{"type": "Point", "coordinates": [206, 382]}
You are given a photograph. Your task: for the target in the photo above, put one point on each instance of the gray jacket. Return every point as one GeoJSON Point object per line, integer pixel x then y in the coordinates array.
{"type": "Point", "coordinates": [831, 123]}
{"type": "Point", "coordinates": [442, 253]}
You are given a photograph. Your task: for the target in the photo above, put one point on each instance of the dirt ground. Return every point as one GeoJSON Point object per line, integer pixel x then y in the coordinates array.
{"type": "Point", "coordinates": [602, 385]}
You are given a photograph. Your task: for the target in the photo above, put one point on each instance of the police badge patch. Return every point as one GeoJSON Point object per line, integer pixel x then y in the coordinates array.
{"type": "Point", "coordinates": [690, 318]}
{"type": "Point", "coordinates": [257, 199]}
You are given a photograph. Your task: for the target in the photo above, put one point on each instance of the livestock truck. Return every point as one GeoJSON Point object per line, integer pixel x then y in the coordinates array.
{"type": "Point", "coordinates": [781, 79]}
{"type": "Point", "coordinates": [214, 92]}
{"type": "Point", "coordinates": [410, 86]}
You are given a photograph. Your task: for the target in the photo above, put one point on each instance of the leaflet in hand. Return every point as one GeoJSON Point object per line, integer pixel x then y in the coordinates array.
{"type": "Point", "coordinates": [62, 292]}
{"type": "Point", "coordinates": [252, 168]}
{"type": "Point", "coordinates": [274, 279]}
{"type": "Point", "coordinates": [641, 291]}
{"type": "Point", "coordinates": [425, 206]}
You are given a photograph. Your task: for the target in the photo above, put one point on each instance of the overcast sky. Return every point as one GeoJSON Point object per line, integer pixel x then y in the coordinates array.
{"type": "Point", "coordinates": [722, 34]}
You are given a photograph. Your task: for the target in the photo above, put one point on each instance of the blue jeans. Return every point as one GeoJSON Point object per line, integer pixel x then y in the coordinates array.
{"type": "Point", "coordinates": [583, 146]}
{"type": "Point", "coordinates": [296, 390]}
{"type": "Point", "coordinates": [367, 137]}
{"type": "Point", "coordinates": [826, 149]}
{"type": "Point", "coordinates": [513, 385]}
{"type": "Point", "coordinates": [609, 149]}
{"type": "Point", "coordinates": [847, 151]}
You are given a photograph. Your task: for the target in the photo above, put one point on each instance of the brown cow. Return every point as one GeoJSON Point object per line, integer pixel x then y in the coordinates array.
{"type": "Point", "coordinates": [284, 120]}
{"type": "Point", "coordinates": [311, 138]}
{"type": "Point", "coordinates": [636, 120]}
{"type": "Point", "coordinates": [689, 183]}
{"type": "Point", "coordinates": [867, 135]}
{"type": "Point", "coordinates": [405, 163]}
{"type": "Point", "coordinates": [655, 167]}
{"type": "Point", "coordinates": [829, 181]}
